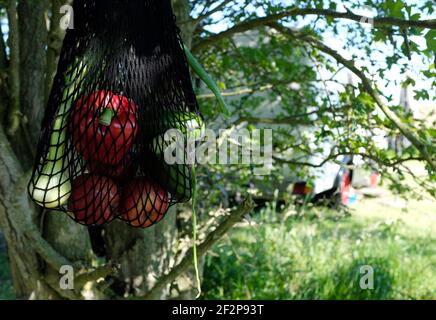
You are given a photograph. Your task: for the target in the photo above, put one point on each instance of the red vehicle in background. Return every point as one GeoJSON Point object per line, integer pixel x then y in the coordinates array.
{"type": "Point", "coordinates": [336, 184]}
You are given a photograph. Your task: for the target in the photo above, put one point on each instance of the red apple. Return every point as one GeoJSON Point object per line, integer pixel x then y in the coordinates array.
{"type": "Point", "coordinates": [143, 203]}
{"type": "Point", "coordinates": [103, 126]}
{"type": "Point", "coordinates": [94, 199]}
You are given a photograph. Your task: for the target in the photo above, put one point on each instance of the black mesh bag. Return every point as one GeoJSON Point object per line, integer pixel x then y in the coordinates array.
{"type": "Point", "coordinates": [122, 82]}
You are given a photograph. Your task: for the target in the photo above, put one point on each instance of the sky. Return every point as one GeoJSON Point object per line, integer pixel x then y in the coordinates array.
{"type": "Point", "coordinates": [416, 64]}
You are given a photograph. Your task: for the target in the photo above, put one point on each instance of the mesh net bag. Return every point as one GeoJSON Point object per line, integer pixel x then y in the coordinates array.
{"type": "Point", "coordinates": [122, 82]}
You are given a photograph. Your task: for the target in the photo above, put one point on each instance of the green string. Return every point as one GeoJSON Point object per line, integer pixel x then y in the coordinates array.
{"type": "Point", "coordinates": [194, 231]}
{"type": "Point", "coordinates": [207, 79]}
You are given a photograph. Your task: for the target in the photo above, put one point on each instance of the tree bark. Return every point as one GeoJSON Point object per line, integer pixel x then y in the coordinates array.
{"type": "Point", "coordinates": [14, 70]}
{"type": "Point", "coordinates": [143, 255]}
{"type": "Point", "coordinates": [16, 211]}
{"type": "Point", "coordinates": [55, 37]}
{"type": "Point", "coordinates": [187, 25]}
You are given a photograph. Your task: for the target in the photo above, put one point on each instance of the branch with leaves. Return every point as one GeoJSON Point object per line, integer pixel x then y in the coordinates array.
{"type": "Point", "coordinates": [298, 119]}
{"type": "Point", "coordinates": [294, 12]}
{"type": "Point", "coordinates": [333, 156]}
{"type": "Point", "coordinates": [235, 93]}
{"type": "Point", "coordinates": [421, 146]}
{"type": "Point", "coordinates": [203, 15]}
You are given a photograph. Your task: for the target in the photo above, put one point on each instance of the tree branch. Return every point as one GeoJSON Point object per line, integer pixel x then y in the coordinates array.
{"type": "Point", "coordinates": [367, 86]}
{"type": "Point", "coordinates": [30, 231]}
{"type": "Point", "coordinates": [239, 92]}
{"type": "Point", "coordinates": [245, 208]}
{"type": "Point", "coordinates": [378, 21]}
{"type": "Point", "coordinates": [55, 37]}
{"type": "Point", "coordinates": [263, 21]}
{"type": "Point", "coordinates": [52, 282]}
{"type": "Point", "coordinates": [333, 156]}
{"type": "Point", "coordinates": [291, 120]}
{"type": "Point", "coordinates": [98, 273]}
{"type": "Point", "coordinates": [212, 11]}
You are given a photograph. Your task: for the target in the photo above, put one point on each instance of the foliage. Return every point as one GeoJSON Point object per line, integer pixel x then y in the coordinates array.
{"type": "Point", "coordinates": [6, 291]}
{"type": "Point", "coordinates": [315, 111]}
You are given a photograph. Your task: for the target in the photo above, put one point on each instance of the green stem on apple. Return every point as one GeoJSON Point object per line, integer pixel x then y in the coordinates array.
{"type": "Point", "coordinates": [106, 117]}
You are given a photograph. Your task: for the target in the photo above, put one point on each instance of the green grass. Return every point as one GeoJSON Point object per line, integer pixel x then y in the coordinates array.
{"type": "Point", "coordinates": [319, 256]}
{"type": "Point", "coordinates": [6, 291]}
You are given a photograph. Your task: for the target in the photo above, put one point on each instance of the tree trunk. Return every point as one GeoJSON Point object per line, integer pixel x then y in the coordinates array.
{"type": "Point", "coordinates": [13, 115]}
{"type": "Point", "coordinates": [16, 212]}
{"type": "Point", "coordinates": [55, 37]}
{"type": "Point", "coordinates": [33, 42]}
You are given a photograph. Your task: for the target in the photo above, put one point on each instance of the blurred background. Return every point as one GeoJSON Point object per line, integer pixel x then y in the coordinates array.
{"type": "Point", "coordinates": [350, 99]}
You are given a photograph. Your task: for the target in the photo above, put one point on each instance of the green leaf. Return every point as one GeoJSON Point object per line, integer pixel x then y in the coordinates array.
{"type": "Point", "coordinates": [207, 79]}
{"type": "Point", "coordinates": [430, 37]}
{"type": "Point", "coordinates": [421, 95]}
{"type": "Point", "coordinates": [416, 16]}
{"type": "Point", "coordinates": [395, 8]}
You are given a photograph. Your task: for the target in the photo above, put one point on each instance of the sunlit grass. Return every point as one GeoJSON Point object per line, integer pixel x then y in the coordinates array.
{"type": "Point", "coordinates": [319, 256]}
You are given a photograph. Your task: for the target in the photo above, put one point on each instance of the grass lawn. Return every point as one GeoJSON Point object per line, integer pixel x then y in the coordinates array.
{"type": "Point", "coordinates": [319, 255]}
